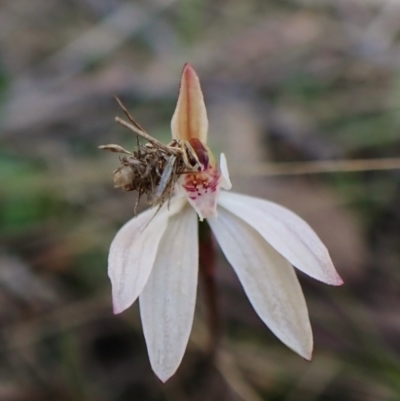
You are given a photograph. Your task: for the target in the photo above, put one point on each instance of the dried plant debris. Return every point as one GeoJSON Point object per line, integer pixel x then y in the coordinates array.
{"type": "Point", "coordinates": [152, 169]}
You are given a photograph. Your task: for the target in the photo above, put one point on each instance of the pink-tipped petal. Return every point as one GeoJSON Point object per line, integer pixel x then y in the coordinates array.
{"type": "Point", "coordinates": [190, 117]}
{"type": "Point", "coordinates": [290, 235]}
{"type": "Point", "coordinates": [168, 300]}
{"type": "Point", "coordinates": [268, 280]}
{"type": "Point", "coordinates": [133, 251]}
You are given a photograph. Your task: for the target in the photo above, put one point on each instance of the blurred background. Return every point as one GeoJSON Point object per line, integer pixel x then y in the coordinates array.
{"type": "Point", "coordinates": [285, 81]}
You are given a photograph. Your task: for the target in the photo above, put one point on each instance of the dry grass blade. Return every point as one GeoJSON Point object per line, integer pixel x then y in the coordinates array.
{"type": "Point", "coordinates": [148, 138]}
{"type": "Point", "coordinates": [114, 148]}
{"type": "Point", "coordinates": [231, 373]}
{"type": "Point", "coordinates": [137, 129]}
{"type": "Point", "coordinates": [128, 115]}
{"type": "Point", "coordinates": [319, 167]}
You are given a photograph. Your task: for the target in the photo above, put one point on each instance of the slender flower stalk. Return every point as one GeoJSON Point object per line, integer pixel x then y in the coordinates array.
{"type": "Point", "coordinates": [207, 267]}
{"type": "Point", "coordinates": [156, 256]}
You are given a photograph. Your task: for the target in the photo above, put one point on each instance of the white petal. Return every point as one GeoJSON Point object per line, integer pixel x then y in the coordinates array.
{"type": "Point", "coordinates": [225, 180]}
{"type": "Point", "coordinates": [133, 251]}
{"type": "Point", "coordinates": [268, 280]}
{"type": "Point", "coordinates": [291, 236]}
{"type": "Point", "coordinates": [168, 300]}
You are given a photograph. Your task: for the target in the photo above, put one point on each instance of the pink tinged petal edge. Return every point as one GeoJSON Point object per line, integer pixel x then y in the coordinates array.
{"type": "Point", "coordinates": [133, 251]}
{"type": "Point", "coordinates": [225, 181]}
{"type": "Point", "coordinates": [167, 303]}
{"type": "Point", "coordinates": [268, 280]}
{"type": "Point", "coordinates": [190, 116]}
{"type": "Point", "coordinates": [291, 236]}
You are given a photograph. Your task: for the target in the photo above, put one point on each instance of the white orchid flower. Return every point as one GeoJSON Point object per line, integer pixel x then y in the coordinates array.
{"type": "Point", "coordinates": [156, 258]}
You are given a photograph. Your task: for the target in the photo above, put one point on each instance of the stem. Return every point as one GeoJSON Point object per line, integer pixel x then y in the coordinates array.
{"type": "Point", "coordinates": [207, 272]}
{"type": "Point", "coordinates": [321, 166]}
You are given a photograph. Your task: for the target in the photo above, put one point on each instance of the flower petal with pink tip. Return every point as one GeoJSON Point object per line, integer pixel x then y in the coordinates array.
{"type": "Point", "coordinates": [290, 235]}
{"type": "Point", "coordinates": [190, 118]}
{"type": "Point", "coordinates": [268, 280]}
